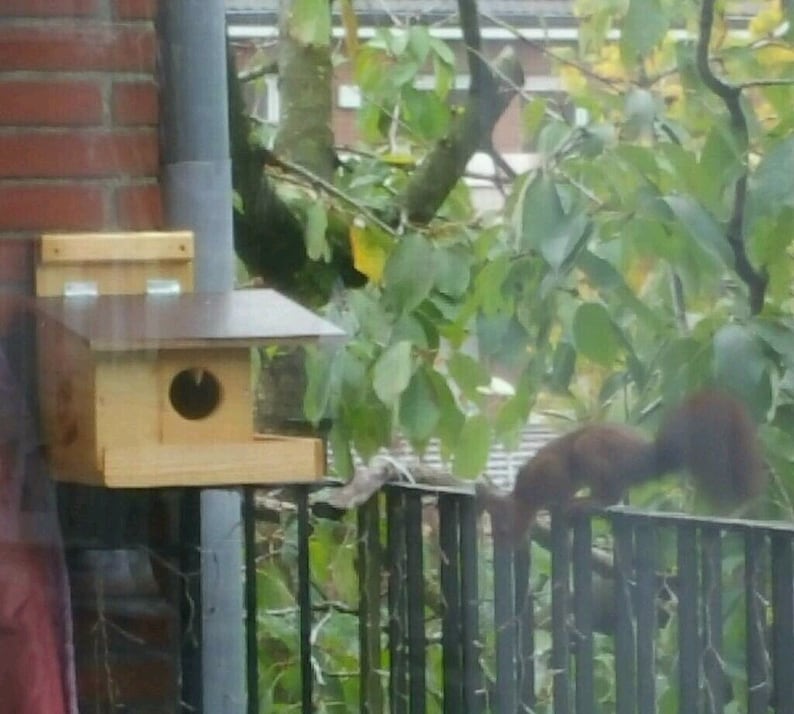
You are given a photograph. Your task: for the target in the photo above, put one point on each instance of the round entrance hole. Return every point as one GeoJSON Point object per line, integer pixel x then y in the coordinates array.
{"type": "Point", "coordinates": [195, 393]}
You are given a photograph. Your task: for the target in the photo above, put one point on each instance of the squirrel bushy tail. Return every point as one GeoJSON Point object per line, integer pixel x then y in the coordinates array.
{"type": "Point", "coordinates": [710, 435]}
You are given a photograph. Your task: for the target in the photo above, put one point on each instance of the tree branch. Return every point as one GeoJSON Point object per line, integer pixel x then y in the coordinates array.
{"type": "Point", "coordinates": [730, 95]}
{"type": "Point", "coordinates": [446, 163]}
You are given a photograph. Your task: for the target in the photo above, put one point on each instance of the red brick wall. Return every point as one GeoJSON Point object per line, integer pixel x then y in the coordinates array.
{"type": "Point", "coordinates": [79, 151]}
{"type": "Point", "coordinates": [78, 123]}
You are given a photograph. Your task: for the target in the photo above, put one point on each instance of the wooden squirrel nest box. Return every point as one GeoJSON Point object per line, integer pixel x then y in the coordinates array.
{"type": "Point", "coordinates": [145, 390]}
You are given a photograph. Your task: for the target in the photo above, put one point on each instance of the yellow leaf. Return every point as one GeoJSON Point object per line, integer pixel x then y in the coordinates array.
{"type": "Point", "coordinates": [775, 55]}
{"type": "Point", "coordinates": [369, 255]}
{"type": "Point", "coordinates": [572, 79]}
{"type": "Point", "coordinates": [766, 21]}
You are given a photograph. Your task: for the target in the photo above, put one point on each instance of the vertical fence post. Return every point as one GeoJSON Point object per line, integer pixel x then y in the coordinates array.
{"type": "Point", "coordinates": [452, 602]}
{"type": "Point", "coordinates": [525, 615]}
{"type": "Point", "coordinates": [504, 694]}
{"type": "Point", "coordinates": [758, 675]}
{"type": "Point", "coordinates": [584, 701]}
{"type": "Point", "coordinates": [251, 629]}
{"type": "Point", "coordinates": [398, 673]}
{"type": "Point", "coordinates": [645, 605]}
{"type": "Point", "coordinates": [415, 582]}
{"type": "Point", "coordinates": [713, 675]}
{"type": "Point", "coordinates": [625, 649]}
{"type": "Point", "coordinates": [304, 599]}
{"type": "Point", "coordinates": [560, 595]}
{"type": "Point", "coordinates": [473, 699]}
{"type": "Point", "coordinates": [369, 622]}
{"type": "Point", "coordinates": [782, 623]}
{"type": "Point", "coordinates": [688, 643]}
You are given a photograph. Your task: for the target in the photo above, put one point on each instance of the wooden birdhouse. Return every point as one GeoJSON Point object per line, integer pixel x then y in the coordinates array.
{"type": "Point", "coordinates": [155, 389]}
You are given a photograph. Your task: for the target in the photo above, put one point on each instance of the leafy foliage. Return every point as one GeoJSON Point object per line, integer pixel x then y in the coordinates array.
{"type": "Point", "coordinates": [611, 280]}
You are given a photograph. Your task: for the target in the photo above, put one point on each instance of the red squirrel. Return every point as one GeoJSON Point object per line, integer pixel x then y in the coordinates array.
{"type": "Point", "coordinates": [710, 435]}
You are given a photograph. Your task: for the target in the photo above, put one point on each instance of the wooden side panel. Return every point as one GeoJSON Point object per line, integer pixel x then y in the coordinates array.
{"type": "Point", "coordinates": [127, 401]}
{"type": "Point", "coordinates": [272, 460]}
{"type": "Point", "coordinates": [67, 392]}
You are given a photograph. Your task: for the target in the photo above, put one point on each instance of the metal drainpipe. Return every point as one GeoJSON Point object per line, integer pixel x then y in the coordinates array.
{"type": "Point", "coordinates": [197, 190]}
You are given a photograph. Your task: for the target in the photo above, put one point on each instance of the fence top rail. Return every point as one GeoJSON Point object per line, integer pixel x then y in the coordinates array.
{"type": "Point", "coordinates": [617, 513]}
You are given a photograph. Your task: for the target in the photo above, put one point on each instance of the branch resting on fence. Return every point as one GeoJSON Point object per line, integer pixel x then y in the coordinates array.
{"type": "Point", "coordinates": [368, 480]}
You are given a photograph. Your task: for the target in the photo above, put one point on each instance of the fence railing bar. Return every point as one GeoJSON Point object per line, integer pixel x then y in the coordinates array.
{"type": "Point", "coordinates": [452, 602]}
{"type": "Point", "coordinates": [415, 583]}
{"type": "Point", "coordinates": [369, 622]}
{"type": "Point", "coordinates": [524, 608]}
{"type": "Point", "coordinates": [584, 700]}
{"type": "Point", "coordinates": [473, 690]}
{"type": "Point", "coordinates": [687, 608]}
{"type": "Point", "coordinates": [625, 645]}
{"type": "Point", "coordinates": [618, 513]}
{"type": "Point", "coordinates": [713, 675]}
{"type": "Point", "coordinates": [758, 671]}
{"type": "Point", "coordinates": [646, 608]}
{"type": "Point", "coordinates": [504, 694]}
{"type": "Point", "coordinates": [304, 600]}
{"type": "Point", "coordinates": [398, 672]}
{"type": "Point", "coordinates": [560, 609]}
{"type": "Point", "coordinates": [782, 624]}
{"type": "Point", "coordinates": [251, 627]}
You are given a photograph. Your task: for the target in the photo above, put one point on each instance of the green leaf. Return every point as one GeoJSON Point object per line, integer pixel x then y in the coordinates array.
{"type": "Point", "coordinates": [739, 361]}
{"type": "Point", "coordinates": [644, 27]}
{"type": "Point", "coordinates": [426, 113]}
{"type": "Point", "coordinates": [319, 370]}
{"type": "Point", "coordinates": [419, 413]}
{"type": "Point", "coordinates": [317, 247]}
{"type": "Point", "coordinates": [474, 443]}
{"type": "Point", "coordinates": [442, 50]}
{"type": "Point", "coordinates": [451, 419]}
{"type": "Point", "coordinates": [546, 227]}
{"type": "Point", "coordinates": [453, 273]}
{"type": "Point", "coordinates": [409, 273]}
{"type": "Point", "coordinates": [701, 227]}
{"type": "Point", "coordinates": [610, 283]}
{"type": "Point", "coordinates": [771, 187]}
{"type": "Point", "coordinates": [595, 334]}
{"type": "Point", "coordinates": [392, 372]}
{"type": "Point", "coordinates": [309, 22]}
{"type": "Point", "coordinates": [468, 374]}
{"type": "Point", "coordinates": [541, 211]}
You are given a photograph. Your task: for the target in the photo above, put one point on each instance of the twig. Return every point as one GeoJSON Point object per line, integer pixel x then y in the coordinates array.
{"type": "Point", "coordinates": [320, 183]}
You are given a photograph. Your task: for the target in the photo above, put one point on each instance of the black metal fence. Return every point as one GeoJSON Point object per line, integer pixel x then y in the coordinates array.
{"type": "Point", "coordinates": [622, 612]}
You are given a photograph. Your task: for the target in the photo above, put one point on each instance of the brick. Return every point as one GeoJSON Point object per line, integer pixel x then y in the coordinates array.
{"type": "Point", "coordinates": [134, 9]}
{"type": "Point", "coordinates": [41, 207]}
{"type": "Point", "coordinates": [135, 103]}
{"type": "Point", "coordinates": [82, 46]}
{"type": "Point", "coordinates": [48, 8]}
{"type": "Point", "coordinates": [50, 103]}
{"type": "Point", "coordinates": [16, 260]}
{"type": "Point", "coordinates": [139, 207]}
{"type": "Point", "coordinates": [79, 153]}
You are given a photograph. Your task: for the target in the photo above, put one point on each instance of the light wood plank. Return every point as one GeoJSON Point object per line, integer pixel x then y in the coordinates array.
{"type": "Point", "coordinates": [272, 460]}
{"type": "Point", "coordinates": [116, 247]}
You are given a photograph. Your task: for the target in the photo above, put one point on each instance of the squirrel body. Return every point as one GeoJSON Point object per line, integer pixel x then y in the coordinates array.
{"type": "Point", "coordinates": [710, 435]}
